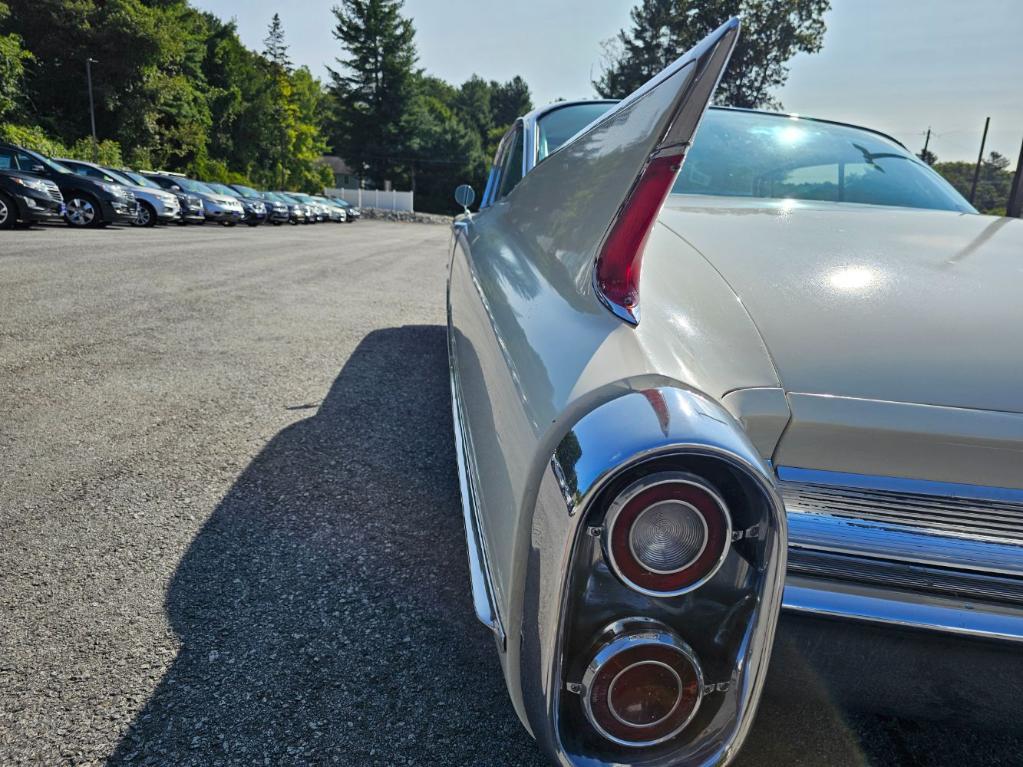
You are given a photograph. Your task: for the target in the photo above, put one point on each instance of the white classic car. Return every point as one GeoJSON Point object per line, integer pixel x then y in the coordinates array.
{"type": "Point", "coordinates": [809, 398]}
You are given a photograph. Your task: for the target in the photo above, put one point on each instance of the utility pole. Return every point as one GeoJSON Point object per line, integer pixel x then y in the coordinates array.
{"type": "Point", "coordinates": [980, 159]}
{"type": "Point", "coordinates": [1015, 206]}
{"type": "Point", "coordinates": [92, 106]}
{"type": "Point", "coordinates": [927, 142]}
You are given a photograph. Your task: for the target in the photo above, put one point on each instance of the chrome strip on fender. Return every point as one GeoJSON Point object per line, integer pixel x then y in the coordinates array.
{"type": "Point", "coordinates": [479, 568]}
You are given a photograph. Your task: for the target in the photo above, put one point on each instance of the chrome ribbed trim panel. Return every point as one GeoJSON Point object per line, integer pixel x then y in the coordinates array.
{"type": "Point", "coordinates": [956, 510]}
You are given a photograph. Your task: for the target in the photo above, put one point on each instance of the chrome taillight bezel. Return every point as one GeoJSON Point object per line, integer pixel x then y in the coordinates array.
{"type": "Point", "coordinates": [632, 635]}
{"type": "Point", "coordinates": [619, 512]}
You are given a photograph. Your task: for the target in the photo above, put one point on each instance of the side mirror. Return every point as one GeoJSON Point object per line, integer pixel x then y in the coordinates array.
{"type": "Point", "coordinates": [175, 187]}
{"type": "Point", "coordinates": [465, 195]}
{"type": "Point", "coordinates": [38, 168]}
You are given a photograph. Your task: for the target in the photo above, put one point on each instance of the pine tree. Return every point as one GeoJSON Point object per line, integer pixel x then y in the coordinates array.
{"type": "Point", "coordinates": [283, 108]}
{"type": "Point", "coordinates": [773, 31]}
{"type": "Point", "coordinates": [374, 88]}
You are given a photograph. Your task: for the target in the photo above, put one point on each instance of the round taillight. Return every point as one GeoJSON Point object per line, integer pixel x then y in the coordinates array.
{"type": "Point", "coordinates": [667, 533]}
{"type": "Point", "coordinates": [642, 687]}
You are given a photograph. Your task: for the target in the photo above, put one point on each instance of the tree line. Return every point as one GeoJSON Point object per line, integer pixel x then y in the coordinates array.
{"type": "Point", "coordinates": [176, 89]}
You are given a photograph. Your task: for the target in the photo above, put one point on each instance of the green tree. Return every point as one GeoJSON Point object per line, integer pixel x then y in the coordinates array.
{"type": "Point", "coordinates": [993, 186]}
{"type": "Point", "coordinates": [443, 150]}
{"type": "Point", "coordinates": [773, 32]}
{"type": "Point", "coordinates": [373, 90]}
{"type": "Point", "coordinates": [284, 112]}
{"type": "Point", "coordinates": [13, 59]}
{"type": "Point", "coordinates": [509, 100]}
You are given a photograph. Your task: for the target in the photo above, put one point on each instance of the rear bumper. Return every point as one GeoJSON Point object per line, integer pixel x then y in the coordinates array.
{"type": "Point", "coordinates": [868, 603]}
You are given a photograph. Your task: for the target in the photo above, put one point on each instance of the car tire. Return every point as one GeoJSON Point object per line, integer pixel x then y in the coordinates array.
{"type": "Point", "coordinates": [82, 211]}
{"type": "Point", "coordinates": [8, 213]}
{"type": "Point", "coordinates": [146, 216]}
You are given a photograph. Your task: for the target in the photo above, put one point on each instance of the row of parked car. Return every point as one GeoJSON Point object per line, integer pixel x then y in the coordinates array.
{"type": "Point", "coordinates": [35, 188]}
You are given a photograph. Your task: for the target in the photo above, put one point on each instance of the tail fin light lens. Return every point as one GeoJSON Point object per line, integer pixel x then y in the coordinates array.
{"type": "Point", "coordinates": [643, 685]}
{"type": "Point", "coordinates": [618, 265]}
{"type": "Point", "coordinates": [667, 533]}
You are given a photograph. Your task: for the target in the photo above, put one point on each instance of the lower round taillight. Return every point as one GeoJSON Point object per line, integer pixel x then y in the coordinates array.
{"type": "Point", "coordinates": [667, 533]}
{"type": "Point", "coordinates": [643, 686]}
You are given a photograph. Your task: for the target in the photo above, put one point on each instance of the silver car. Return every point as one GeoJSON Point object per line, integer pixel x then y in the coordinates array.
{"type": "Point", "coordinates": [784, 378]}
{"type": "Point", "coordinates": [218, 207]}
{"type": "Point", "coordinates": [154, 205]}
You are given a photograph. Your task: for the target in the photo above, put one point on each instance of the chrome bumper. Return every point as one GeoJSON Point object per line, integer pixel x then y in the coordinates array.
{"type": "Point", "coordinates": [922, 555]}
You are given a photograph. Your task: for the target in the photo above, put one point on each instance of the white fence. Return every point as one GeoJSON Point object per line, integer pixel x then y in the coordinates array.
{"type": "Point", "coordinates": [375, 198]}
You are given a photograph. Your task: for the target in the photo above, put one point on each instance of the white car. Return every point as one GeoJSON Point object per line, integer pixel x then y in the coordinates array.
{"type": "Point", "coordinates": [784, 377]}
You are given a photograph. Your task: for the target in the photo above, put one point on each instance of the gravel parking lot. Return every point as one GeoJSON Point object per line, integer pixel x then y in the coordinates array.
{"type": "Point", "coordinates": [231, 532]}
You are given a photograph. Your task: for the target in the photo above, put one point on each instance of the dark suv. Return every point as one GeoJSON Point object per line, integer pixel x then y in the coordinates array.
{"type": "Point", "coordinates": [87, 202]}
{"type": "Point", "coordinates": [27, 198]}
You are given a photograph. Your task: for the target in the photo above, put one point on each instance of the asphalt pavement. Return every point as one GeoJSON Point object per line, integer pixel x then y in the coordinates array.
{"type": "Point", "coordinates": [230, 531]}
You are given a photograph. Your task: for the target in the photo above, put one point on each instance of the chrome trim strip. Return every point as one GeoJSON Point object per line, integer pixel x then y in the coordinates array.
{"type": "Point", "coordinates": [873, 604]}
{"type": "Point", "coordinates": [479, 567]}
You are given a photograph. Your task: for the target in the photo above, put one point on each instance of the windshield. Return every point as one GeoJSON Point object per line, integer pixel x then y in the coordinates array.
{"type": "Point", "coordinates": [746, 154]}
{"type": "Point", "coordinates": [120, 178]}
{"type": "Point", "coordinates": [139, 180]}
{"type": "Point", "coordinates": [221, 188]}
{"type": "Point", "coordinates": [51, 164]}
{"type": "Point", "coordinates": [558, 126]}
{"type": "Point", "coordinates": [246, 191]}
{"type": "Point", "coordinates": [191, 186]}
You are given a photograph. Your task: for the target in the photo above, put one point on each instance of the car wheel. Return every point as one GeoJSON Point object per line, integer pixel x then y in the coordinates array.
{"type": "Point", "coordinates": [82, 211]}
{"type": "Point", "coordinates": [7, 212]}
{"type": "Point", "coordinates": [146, 215]}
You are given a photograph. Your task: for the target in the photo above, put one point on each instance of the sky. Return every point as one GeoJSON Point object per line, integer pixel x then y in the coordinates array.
{"type": "Point", "coordinates": [899, 66]}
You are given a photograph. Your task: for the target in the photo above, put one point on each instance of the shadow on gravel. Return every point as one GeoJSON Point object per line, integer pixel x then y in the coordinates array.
{"type": "Point", "coordinates": [323, 610]}
{"type": "Point", "coordinates": [325, 617]}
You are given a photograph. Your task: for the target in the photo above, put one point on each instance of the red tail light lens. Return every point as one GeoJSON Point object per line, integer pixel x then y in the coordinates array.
{"type": "Point", "coordinates": [643, 686]}
{"type": "Point", "coordinates": [621, 256]}
{"type": "Point", "coordinates": [667, 534]}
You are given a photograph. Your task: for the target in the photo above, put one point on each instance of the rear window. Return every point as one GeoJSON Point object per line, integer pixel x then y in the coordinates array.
{"type": "Point", "coordinates": [743, 154]}
{"type": "Point", "coordinates": [557, 127]}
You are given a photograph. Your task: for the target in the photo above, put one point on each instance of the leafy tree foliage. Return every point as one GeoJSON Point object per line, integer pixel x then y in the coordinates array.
{"type": "Point", "coordinates": [993, 186]}
{"type": "Point", "coordinates": [394, 123]}
{"type": "Point", "coordinates": [13, 59]}
{"type": "Point", "coordinates": [773, 32]}
{"type": "Point", "coordinates": [175, 88]}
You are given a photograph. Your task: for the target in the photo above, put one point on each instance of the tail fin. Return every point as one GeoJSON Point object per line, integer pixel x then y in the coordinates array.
{"type": "Point", "coordinates": [595, 199]}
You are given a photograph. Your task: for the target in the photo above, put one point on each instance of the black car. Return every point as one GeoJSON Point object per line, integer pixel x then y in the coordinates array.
{"type": "Point", "coordinates": [27, 198]}
{"type": "Point", "coordinates": [87, 202]}
{"type": "Point", "coordinates": [276, 211]}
